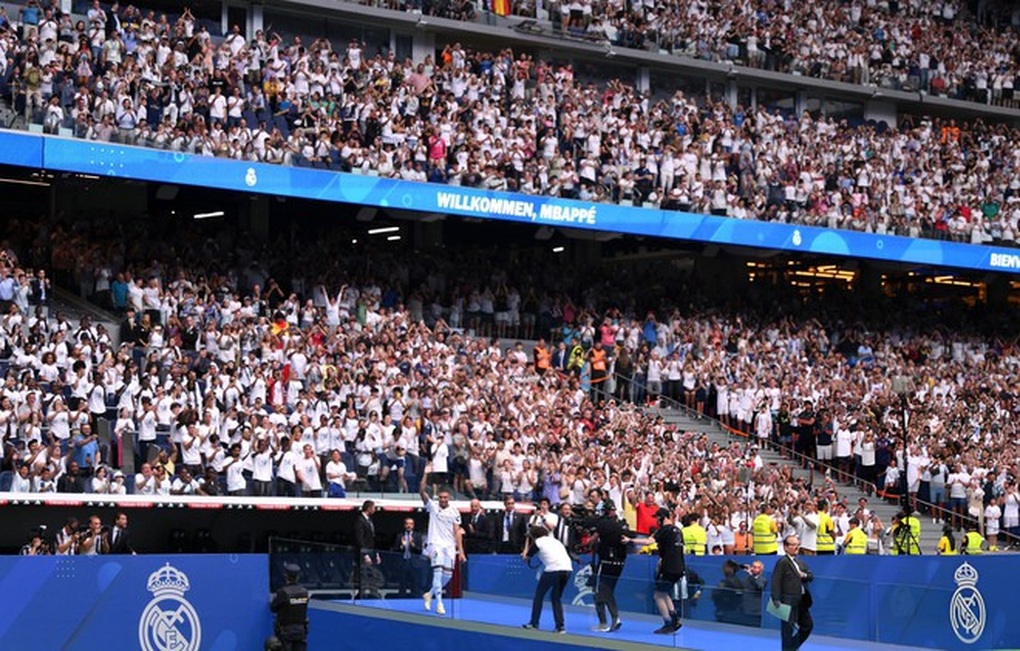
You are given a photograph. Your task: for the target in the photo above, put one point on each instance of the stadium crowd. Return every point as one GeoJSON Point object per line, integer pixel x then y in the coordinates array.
{"type": "Point", "coordinates": [231, 384]}
{"type": "Point", "coordinates": [505, 121]}
{"type": "Point", "coordinates": [939, 48]}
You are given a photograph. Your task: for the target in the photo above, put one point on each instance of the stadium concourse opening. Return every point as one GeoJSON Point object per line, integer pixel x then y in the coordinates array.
{"type": "Point", "coordinates": [184, 215]}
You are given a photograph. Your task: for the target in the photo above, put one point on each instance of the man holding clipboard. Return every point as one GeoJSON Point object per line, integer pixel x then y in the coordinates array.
{"type": "Point", "coordinates": [791, 599]}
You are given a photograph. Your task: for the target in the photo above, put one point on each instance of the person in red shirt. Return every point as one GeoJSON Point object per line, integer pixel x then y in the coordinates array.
{"type": "Point", "coordinates": [646, 513]}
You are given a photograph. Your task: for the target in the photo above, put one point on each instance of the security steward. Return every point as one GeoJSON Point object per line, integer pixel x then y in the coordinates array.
{"type": "Point", "coordinates": [695, 536]}
{"type": "Point", "coordinates": [765, 532]}
{"type": "Point", "coordinates": [612, 554]}
{"type": "Point", "coordinates": [290, 603]}
{"type": "Point", "coordinates": [973, 541]}
{"type": "Point", "coordinates": [598, 359]}
{"type": "Point", "coordinates": [856, 541]}
{"type": "Point", "coordinates": [825, 541]}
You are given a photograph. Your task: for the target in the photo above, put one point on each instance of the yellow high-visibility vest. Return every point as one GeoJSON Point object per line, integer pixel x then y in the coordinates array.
{"type": "Point", "coordinates": [764, 530]}
{"type": "Point", "coordinates": [856, 542]}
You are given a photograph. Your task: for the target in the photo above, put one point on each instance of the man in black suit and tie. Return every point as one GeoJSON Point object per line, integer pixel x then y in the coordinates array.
{"type": "Point", "coordinates": [40, 296]}
{"type": "Point", "coordinates": [409, 545]}
{"type": "Point", "coordinates": [513, 529]}
{"type": "Point", "coordinates": [120, 537]}
{"type": "Point", "coordinates": [564, 530]}
{"type": "Point", "coordinates": [478, 530]}
{"type": "Point", "coordinates": [790, 581]}
{"type": "Point", "coordinates": [364, 542]}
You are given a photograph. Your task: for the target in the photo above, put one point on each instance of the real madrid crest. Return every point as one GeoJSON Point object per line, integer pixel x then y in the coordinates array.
{"type": "Point", "coordinates": [967, 608]}
{"type": "Point", "coordinates": [169, 622]}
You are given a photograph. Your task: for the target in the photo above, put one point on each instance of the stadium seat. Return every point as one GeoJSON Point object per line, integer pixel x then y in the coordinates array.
{"type": "Point", "coordinates": [204, 542]}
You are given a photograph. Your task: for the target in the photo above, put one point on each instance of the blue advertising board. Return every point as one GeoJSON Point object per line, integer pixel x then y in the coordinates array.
{"type": "Point", "coordinates": [961, 602]}
{"type": "Point", "coordinates": [21, 149]}
{"type": "Point", "coordinates": [111, 160]}
{"type": "Point", "coordinates": [182, 602]}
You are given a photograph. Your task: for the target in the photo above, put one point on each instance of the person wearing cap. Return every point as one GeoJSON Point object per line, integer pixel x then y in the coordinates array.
{"type": "Point", "coordinates": [671, 568]}
{"type": "Point", "coordinates": [612, 554]}
{"type": "Point", "coordinates": [290, 604]}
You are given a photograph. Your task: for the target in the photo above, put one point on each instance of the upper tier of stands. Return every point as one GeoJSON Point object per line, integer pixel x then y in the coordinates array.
{"type": "Point", "coordinates": [504, 121]}
{"type": "Point", "coordinates": [938, 48]}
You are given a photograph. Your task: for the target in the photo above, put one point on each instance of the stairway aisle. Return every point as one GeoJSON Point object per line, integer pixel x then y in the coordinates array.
{"type": "Point", "coordinates": [930, 532]}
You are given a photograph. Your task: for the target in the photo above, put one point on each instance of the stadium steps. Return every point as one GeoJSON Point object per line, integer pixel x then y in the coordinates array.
{"type": "Point", "coordinates": [688, 422]}
{"type": "Point", "coordinates": [73, 308]}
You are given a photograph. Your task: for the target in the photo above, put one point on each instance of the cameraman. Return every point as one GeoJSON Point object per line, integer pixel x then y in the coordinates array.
{"type": "Point", "coordinates": [67, 538]}
{"type": "Point", "coordinates": [95, 540]}
{"type": "Point", "coordinates": [752, 581]}
{"type": "Point", "coordinates": [36, 545]}
{"type": "Point", "coordinates": [906, 532]}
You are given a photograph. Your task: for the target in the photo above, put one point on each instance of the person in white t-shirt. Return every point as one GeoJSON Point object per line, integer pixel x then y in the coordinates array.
{"type": "Point", "coordinates": [286, 485]}
{"type": "Point", "coordinates": [557, 567]}
{"type": "Point", "coordinates": [145, 481]}
{"type": "Point", "coordinates": [805, 523]}
{"type": "Point", "coordinates": [234, 467]}
{"type": "Point", "coordinates": [337, 475]}
{"type": "Point", "coordinates": [185, 484]}
{"type": "Point", "coordinates": [443, 541]}
{"type": "Point", "coordinates": [307, 472]}
{"type": "Point", "coordinates": [262, 468]}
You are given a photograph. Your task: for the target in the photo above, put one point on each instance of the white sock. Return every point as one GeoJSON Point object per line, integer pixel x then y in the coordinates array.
{"type": "Point", "coordinates": [437, 582]}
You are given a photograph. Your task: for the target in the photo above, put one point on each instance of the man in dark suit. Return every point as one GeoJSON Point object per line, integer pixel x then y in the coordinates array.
{"type": "Point", "coordinates": [130, 331]}
{"type": "Point", "coordinates": [409, 546]}
{"type": "Point", "coordinates": [790, 580]}
{"type": "Point", "coordinates": [478, 530]}
{"type": "Point", "coordinates": [513, 529]}
{"type": "Point", "coordinates": [364, 542]}
{"type": "Point", "coordinates": [120, 536]}
{"type": "Point", "coordinates": [40, 296]}
{"type": "Point", "coordinates": [564, 529]}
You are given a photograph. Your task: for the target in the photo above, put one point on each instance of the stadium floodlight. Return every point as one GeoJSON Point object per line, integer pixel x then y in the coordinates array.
{"type": "Point", "coordinates": [209, 215]}
{"type": "Point", "coordinates": [385, 229]}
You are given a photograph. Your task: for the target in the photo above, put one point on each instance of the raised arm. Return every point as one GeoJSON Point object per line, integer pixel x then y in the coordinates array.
{"type": "Point", "coordinates": [424, 483]}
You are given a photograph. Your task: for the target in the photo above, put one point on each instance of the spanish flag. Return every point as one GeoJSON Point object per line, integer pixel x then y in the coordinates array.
{"type": "Point", "coordinates": [279, 325]}
{"type": "Point", "coordinates": [501, 7]}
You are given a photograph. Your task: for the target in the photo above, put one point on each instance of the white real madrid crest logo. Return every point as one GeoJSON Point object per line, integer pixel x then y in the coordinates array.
{"type": "Point", "coordinates": [169, 622]}
{"type": "Point", "coordinates": [967, 607]}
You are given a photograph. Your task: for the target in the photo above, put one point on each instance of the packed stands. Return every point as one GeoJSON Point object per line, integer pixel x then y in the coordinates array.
{"type": "Point", "coordinates": [504, 121]}
{"type": "Point", "coordinates": [937, 48]}
{"type": "Point", "coordinates": [284, 371]}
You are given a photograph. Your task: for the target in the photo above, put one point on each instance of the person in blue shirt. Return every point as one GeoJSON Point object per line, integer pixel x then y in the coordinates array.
{"type": "Point", "coordinates": [86, 449]}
